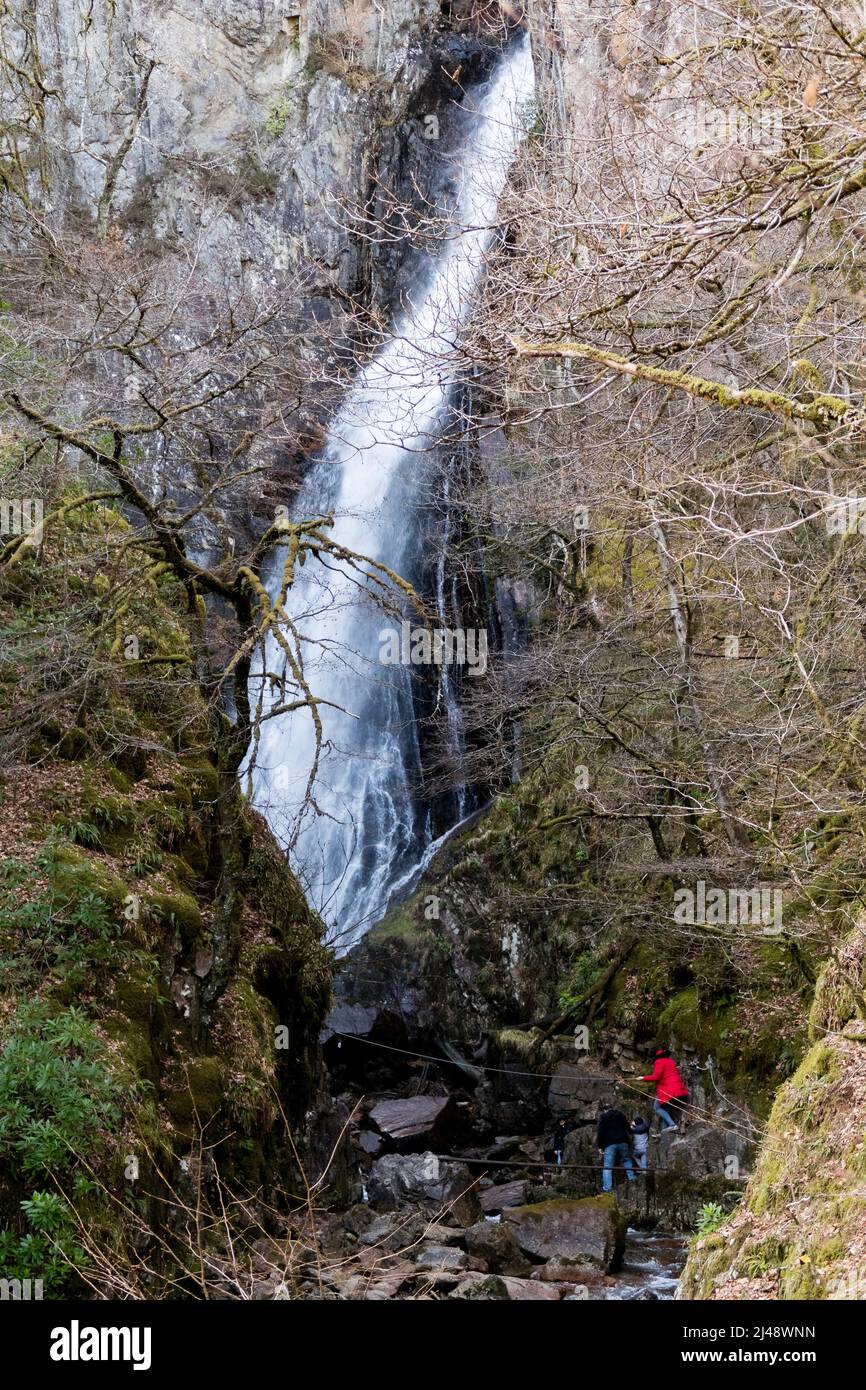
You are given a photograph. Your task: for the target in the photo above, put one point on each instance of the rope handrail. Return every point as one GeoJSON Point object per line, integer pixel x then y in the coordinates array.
{"type": "Point", "coordinates": [732, 1127]}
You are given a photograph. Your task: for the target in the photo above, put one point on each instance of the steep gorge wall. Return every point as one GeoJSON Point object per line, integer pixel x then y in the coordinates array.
{"type": "Point", "coordinates": [236, 142]}
{"type": "Point", "coordinates": [509, 930]}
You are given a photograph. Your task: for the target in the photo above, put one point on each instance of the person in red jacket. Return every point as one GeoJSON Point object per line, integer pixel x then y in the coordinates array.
{"type": "Point", "coordinates": [671, 1091]}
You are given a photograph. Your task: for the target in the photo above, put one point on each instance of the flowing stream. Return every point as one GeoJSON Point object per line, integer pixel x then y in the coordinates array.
{"type": "Point", "coordinates": [367, 832]}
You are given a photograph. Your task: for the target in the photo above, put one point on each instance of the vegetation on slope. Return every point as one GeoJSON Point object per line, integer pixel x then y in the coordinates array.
{"type": "Point", "coordinates": [151, 935]}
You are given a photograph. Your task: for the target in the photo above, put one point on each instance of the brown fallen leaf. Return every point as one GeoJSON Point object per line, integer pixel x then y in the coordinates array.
{"type": "Point", "coordinates": [810, 94]}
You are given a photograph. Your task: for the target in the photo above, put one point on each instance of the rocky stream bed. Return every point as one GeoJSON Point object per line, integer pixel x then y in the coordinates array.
{"type": "Point", "coordinates": [439, 1203]}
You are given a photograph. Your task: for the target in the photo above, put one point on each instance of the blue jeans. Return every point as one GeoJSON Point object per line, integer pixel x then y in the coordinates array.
{"type": "Point", "coordinates": [658, 1109]}
{"type": "Point", "coordinates": [614, 1156]}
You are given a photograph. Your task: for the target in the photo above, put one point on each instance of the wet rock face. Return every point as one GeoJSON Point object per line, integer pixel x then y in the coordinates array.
{"type": "Point", "coordinates": [590, 1230]}
{"type": "Point", "coordinates": [377, 998]}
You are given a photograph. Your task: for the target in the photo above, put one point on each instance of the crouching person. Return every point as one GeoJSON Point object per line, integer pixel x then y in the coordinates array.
{"type": "Point", "coordinates": [613, 1141]}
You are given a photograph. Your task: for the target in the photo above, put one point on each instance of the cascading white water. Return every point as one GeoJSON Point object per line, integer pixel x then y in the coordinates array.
{"type": "Point", "coordinates": [363, 835]}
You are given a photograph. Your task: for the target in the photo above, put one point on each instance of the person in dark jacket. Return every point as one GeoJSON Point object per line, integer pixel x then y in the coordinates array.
{"type": "Point", "coordinates": [671, 1091]}
{"type": "Point", "coordinates": [640, 1140]}
{"type": "Point", "coordinates": [560, 1134]}
{"type": "Point", "coordinates": [613, 1141]}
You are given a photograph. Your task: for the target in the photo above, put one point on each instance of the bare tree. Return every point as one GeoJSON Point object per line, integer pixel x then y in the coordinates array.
{"type": "Point", "coordinates": [674, 327]}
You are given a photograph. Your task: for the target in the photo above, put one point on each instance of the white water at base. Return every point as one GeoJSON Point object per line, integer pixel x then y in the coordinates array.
{"type": "Point", "coordinates": [362, 837]}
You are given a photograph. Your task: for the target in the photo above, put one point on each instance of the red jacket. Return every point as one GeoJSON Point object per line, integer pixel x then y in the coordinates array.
{"type": "Point", "coordinates": [669, 1083]}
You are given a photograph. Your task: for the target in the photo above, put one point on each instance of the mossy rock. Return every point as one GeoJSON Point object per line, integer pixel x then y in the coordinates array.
{"type": "Point", "coordinates": [196, 1096]}
{"type": "Point", "coordinates": [115, 816]}
{"type": "Point", "coordinates": [804, 1192]}
{"type": "Point", "coordinates": [246, 1021]}
{"type": "Point", "coordinates": [74, 875]}
{"type": "Point", "coordinates": [72, 745]}
{"type": "Point", "coordinates": [834, 1004]}
{"type": "Point", "coordinates": [589, 1228]}
{"type": "Point", "coordinates": [137, 994]}
{"type": "Point", "coordinates": [221, 878]}
{"type": "Point", "coordinates": [203, 780]}
{"type": "Point", "coordinates": [672, 1199]}
{"type": "Point", "coordinates": [404, 923]}
{"type": "Point", "coordinates": [179, 910]}
{"type": "Point", "coordinates": [136, 1058]}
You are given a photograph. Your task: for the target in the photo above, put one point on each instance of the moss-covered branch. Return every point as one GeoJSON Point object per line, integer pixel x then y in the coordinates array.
{"type": "Point", "coordinates": [18, 544]}
{"type": "Point", "coordinates": [822, 411]}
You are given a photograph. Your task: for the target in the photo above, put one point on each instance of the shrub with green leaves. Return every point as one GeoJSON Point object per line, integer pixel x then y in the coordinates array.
{"type": "Point", "coordinates": [56, 1094]}
{"type": "Point", "coordinates": [48, 1249]}
{"type": "Point", "coordinates": [585, 972]}
{"type": "Point", "coordinates": [57, 1103]}
{"type": "Point", "coordinates": [710, 1217]}
{"type": "Point", "coordinates": [72, 936]}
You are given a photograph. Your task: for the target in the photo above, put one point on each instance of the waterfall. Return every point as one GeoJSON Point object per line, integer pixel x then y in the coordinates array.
{"type": "Point", "coordinates": [364, 833]}
{"type": "Point", "coordinates": [448, 608]}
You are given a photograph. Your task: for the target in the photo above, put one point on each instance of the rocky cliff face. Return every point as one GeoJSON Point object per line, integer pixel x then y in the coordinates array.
{"type": "Point", "coordinates": [240, 127]}
{"type": "Point", "coordinates": [249, 148]}
{"type": "Point", "coordinates": [598, 60]}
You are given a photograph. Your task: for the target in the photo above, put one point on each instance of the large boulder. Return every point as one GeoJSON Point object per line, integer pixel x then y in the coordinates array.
{"type": "Point", "coordinates": [505, 1194]}
{"type": "Point", "coordinates": [417, 1122]}
{"type": "Point", "coordinates": [442, 1257]}
{"type": "Point", "coordinates": [579, 1093]}
{"type": "Point", "coordinates": [591, 1229]}
{"type": "Point", "coordinates": [569, 1272]}
{"type": "Point", "coordinates": [426, 1181]}
{"type": "Point", "coordinates": [526, 1290]}
{"type": "Point", "coordinates": [394, 1231]}
{"type": "Point", "coordinates": [493, 1243]}
{"type": "Point", "coordinates": [700, 1149]}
